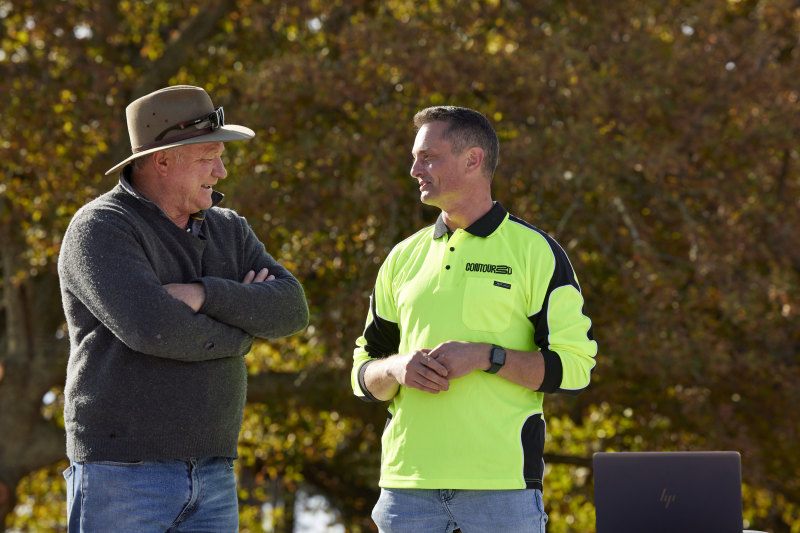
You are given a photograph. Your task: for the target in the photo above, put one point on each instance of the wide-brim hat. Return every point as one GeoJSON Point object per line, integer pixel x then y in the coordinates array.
{"type": "Point", "coordinates": [181, 114]}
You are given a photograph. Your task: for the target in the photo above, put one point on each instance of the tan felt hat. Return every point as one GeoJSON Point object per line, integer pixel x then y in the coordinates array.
{"type": "Point", "coordinates": [181, 114]}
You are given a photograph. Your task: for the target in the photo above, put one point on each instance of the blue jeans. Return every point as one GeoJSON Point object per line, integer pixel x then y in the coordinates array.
{"type": "Point", "coordinates": [197, 495]}
{"type": "Point", "coordinates": [472, 511]}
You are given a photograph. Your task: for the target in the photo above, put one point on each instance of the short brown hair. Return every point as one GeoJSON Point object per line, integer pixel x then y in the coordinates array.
{"type": "Point", "coordinates": [466, 128]}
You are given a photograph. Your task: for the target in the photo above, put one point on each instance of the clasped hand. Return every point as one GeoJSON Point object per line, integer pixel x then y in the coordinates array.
{"type": "Point", "coordinates": [432, 370]}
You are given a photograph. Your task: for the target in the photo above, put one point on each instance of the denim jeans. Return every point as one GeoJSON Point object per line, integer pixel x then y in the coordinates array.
{"type": "Point", "coordinates": [472, 511]}
{"type": "Point", "coordinates": [197, 495]}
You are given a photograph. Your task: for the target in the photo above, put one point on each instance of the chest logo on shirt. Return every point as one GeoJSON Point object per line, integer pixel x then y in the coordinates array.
{"type": "Point", "coordinates": [491, 269]}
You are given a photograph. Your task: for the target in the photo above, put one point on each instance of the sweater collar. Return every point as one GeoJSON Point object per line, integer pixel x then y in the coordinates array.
{"type": "Point", "coordinates": [483, 227]}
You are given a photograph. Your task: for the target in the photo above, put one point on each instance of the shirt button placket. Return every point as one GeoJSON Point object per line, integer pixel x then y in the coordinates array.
{"type": "Point", "coordinates": [452, 249]}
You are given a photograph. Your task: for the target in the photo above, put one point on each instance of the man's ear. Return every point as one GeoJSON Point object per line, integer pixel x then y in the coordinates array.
{"type": "Point", "coordinates": [160, 161]}
{"type": "Point", "coordinates": [474, 158]}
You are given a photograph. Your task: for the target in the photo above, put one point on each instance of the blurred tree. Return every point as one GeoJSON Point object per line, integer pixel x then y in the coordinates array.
{"type": "Point", "coordinates": [656, 140]}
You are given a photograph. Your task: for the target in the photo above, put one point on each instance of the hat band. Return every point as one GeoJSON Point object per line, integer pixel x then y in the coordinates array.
{"type": "Point", "coordinates": [176, 138]}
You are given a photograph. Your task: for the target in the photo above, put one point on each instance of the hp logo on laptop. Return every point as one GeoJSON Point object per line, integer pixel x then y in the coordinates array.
{"type": "Point", "coordinates": [666, 499]}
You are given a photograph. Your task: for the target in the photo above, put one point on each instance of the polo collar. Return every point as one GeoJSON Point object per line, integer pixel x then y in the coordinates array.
{"type": "Point", "coordinates": [483, 227]}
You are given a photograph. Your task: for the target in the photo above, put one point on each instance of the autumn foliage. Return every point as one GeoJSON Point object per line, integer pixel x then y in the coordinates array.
{"type": "Point", "coordinates": [657, 140]}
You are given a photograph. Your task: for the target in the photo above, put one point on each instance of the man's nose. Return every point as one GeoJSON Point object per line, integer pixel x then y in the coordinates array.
{"type": "Point", "coordinates": [416, 171]}
{"type": "Point", "coordinates": [219, 169]}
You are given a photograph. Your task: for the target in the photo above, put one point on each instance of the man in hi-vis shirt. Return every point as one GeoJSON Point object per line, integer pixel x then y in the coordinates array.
{"type": "Point", "coordinates": [472, 320]}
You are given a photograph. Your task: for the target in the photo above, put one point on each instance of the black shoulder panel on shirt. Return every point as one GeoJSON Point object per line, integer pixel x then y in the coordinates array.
{"type": "Point", "coordinates": [383, 336]}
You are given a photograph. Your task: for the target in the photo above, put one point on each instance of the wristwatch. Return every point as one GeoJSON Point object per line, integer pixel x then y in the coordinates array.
{"type": "Point", "coordinates": [497, 356]}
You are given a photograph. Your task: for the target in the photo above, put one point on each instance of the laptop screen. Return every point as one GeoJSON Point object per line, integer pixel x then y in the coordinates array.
{"type": "Point", "coordinates": [654, 492]}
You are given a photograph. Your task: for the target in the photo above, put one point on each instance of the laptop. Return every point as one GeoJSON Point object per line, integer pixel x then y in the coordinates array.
{"type": "Point", "coordinates": [669, 492]}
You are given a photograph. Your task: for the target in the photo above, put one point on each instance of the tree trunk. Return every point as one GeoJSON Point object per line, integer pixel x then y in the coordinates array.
{"type": "Point", "coordinates": [32, 360]}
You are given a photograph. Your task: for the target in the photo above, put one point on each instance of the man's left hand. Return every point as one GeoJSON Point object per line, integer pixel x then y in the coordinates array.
{"type": "Point", "coordinates": [194, 294]}
{"type": "Point", "coordinates": [460, 358]}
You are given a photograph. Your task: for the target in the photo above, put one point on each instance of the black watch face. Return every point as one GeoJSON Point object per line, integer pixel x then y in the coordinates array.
{"type": "Point", "coordinates": [498, 355]}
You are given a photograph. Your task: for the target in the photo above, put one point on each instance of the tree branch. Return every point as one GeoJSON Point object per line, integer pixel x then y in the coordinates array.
{"type": "Point", "coordinates": [176, 53]}
{"type": "Point", "coordinates": [155, 74]}
{"type": "Point", "coordinates": [323, 390]}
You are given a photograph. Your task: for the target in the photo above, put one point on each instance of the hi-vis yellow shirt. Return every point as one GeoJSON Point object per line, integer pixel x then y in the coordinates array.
{"type": "Point", "coordinates": [500, 281]}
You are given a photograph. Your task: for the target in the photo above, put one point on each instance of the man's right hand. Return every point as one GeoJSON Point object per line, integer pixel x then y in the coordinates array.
{"type": "Point", "coordinates": [252, 277]}
{"type": "Point", "coordinates": [417, 370]}
{"type": "Point", "coordinates": [420, 371]}
{"type": "Point", "coordinates": [194, 294]}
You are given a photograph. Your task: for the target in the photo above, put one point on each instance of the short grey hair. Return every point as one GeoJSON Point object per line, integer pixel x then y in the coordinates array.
{"type": "Point", "coordinates": [140, 162]}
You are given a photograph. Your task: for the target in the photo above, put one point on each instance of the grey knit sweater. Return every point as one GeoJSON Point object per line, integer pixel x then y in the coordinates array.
{"type": "Point", "coordinates": [147, 377]}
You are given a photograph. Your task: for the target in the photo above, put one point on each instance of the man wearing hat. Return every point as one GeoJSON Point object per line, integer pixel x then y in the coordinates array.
{"type": "Point", "coordinates": [164, 292]}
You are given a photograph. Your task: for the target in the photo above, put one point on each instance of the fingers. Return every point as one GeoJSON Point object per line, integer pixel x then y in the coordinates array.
{"type": "Point", "coordinates": [192, 294]}
{"type": "Point", "coordinates": [263, 275]}
{"type": "Point", "coordinates": [460, 358]}
{"type": "Point", "coordinates": [430, 362]}
{"type": "Point", "coordinates": [427, 374]}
